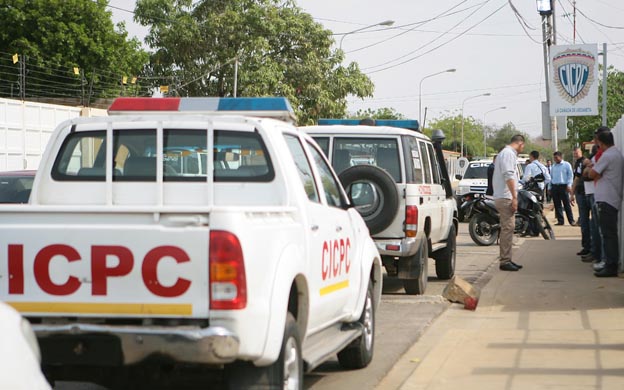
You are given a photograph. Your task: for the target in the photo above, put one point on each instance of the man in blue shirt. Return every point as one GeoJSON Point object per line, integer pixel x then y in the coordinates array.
{"type": "Point", "coordinates": [561, 187]}
{"type": "Point", "coordinates": [534, 168]}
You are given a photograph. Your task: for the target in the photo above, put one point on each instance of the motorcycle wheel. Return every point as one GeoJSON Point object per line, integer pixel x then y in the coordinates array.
{"type": "Point", "coordinates": [545, 229]}
{"type": "Point", "coordinates": [481, 230]}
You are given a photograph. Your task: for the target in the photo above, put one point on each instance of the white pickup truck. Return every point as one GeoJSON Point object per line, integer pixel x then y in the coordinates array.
{"type": "Point", "coordinates": [184, 232]}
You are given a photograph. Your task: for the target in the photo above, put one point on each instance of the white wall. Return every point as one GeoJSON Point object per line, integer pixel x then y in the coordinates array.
{"type": "Point", "coordinates": [618, 133]}
{"type": "Point", "coordinates": [25, 129]}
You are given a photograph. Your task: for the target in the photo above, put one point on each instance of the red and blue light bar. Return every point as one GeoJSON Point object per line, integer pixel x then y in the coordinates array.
{"type": "Point", "coordinates": [271, 107]}
{"type": "Point", "coordinates": [410, 124]}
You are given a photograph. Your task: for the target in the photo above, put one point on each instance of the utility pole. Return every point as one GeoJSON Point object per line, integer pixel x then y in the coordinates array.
{"type": "Point", "coordinates": [235, 76]}
{"type": "Point", "coordinates": [604, 84]}
{"type": "Point", "coordinates": [549, 35]}
{"type": "Point", "coordinates": [574, 22]}
{"type": "Point", "coordinates": [553, 119]}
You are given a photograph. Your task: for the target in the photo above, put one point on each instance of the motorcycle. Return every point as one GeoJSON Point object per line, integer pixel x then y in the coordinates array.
{"type": "Point", "coordinates": [484, 225]}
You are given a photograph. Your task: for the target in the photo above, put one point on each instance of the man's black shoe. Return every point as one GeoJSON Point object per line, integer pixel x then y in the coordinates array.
{"type": "Point", "coordinates": [583, 252]}
{"type": "Point", "coordinates": [519, 266]}
{"type": "Point", "coordinates": [508, 267]}
{"type": "Point", "coordinates": [605, 273]}
{"type": "Point", "coordinates": [559, 224]}
{"type": "Point", "coordinates": [572, 223]}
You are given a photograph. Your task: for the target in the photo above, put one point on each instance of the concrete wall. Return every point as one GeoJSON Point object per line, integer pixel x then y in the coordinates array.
{"type": "Point", "coordinates": [618, 133]}
{"type": "Point", "coordinates": [25, 129]}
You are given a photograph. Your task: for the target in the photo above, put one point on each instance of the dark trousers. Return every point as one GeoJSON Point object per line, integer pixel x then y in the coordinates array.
{"type": "Point", "coordinates": [609, 230]}
{"type": "Point", "coordinates": [584, 209]}
{"type": "Point", "coordinates": [562, 201]}
{"type": "Point", "coordinates": [594, 228]}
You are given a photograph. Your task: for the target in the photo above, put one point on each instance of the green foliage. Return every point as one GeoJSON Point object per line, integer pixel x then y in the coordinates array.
{"type": "Point", "coordinates": [581, 128]}
{"type": "Point", "coordinates": [452, 126]}
{"type": "Point", "coordinates": [380, 113]}
{"type": "Point", "coordinates": [58, 35]}
{"type": "Point", "coordinates": [281, 51]}
{"type": "Point", "coordinates": [473, 136]}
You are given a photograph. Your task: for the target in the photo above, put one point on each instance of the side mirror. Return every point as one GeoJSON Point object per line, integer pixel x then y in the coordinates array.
{"type": "Point", "coordinates": [458, 177]}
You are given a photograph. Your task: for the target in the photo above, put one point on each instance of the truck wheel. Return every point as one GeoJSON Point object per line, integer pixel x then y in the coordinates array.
{"type": "Point", "coordinates": [359, 353]}
{"type": "Point", "coordinates": [379, 206]}
{"type": "Point", "coordinates": [445, 258]}
{"type": "Point", "coordinates": [285, 373]}
{"type": "Point", "coordinates": [418, 285]}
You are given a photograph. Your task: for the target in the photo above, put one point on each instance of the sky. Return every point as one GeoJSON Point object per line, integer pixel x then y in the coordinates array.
{"type": "Point", "coordinates": [493, 51]}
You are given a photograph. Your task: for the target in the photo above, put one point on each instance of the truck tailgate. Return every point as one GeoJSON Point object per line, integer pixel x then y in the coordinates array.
{"type": "Point", "coordinates": [120, 266]}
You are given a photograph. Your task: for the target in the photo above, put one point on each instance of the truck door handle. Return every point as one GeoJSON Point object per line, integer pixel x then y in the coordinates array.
{"type": "Point", "coordinates": [314, 228]}
{"type": "Point", "coordinates": [338, 229]}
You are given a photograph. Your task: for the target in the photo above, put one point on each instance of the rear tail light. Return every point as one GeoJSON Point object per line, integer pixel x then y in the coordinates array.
{"type": "Point", "coordinates": [411, 221]}
{"type": "Point", "coordinates": [228, 286]}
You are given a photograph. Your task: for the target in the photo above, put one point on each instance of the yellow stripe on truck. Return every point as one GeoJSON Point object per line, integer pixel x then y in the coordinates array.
{"type": "Point", "coordinates": [104, 308]}
{"type": "Point", "coordinates": [334, 287]}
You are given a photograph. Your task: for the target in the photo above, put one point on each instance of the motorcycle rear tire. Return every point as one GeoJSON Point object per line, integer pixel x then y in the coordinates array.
{"type": "Point", "coordinates": [474, 228]}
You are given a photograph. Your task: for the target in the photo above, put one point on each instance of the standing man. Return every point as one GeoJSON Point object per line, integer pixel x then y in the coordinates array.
{"type": "Point", "coordinates": [578, 194]}
{"type": "Point", "coordinates": [561, 187]}
{"type": "Point", "coordinates": [608, 195]}
{"type": "Point", "coordinates": [548, 192]}
{"type": "Point", "coordinates": [505, 183]}
{"type": "Point", "coordinates": [534, 168]}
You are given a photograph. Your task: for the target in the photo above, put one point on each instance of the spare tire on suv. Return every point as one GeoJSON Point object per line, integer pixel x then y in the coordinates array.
{"type": "Point", "coordinates": [374, 194]}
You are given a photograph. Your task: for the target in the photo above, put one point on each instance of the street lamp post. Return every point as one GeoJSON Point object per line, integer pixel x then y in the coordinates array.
{"type": "Point", "coordinates": [462, 118]}
{"type": "Point", "coordinates": [384, 23]}
{"type": "Point", "coordinates": [484, 136]}
{"type": "Point", "coordinates": [420, 92]}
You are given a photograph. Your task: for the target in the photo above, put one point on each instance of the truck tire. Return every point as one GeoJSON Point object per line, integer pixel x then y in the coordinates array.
{"type": "Point", "coordinates": [418, 285]}
{"type": "Point", "coordinates": [285, 373]}
{"type": "Point", "coordinates": [445, 259]}
{"type": "Point", "coordinates": [359, 353]}
{"type": "Point", "coordinates": [380, 214]}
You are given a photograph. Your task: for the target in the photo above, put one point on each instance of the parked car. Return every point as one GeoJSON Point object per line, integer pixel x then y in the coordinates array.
{"type": "Point", "coordinates": [15, 186]}
{"type": "Point", "coordinates": [397, 179]}
{"type": "Point", "coordinates": [20, 358]}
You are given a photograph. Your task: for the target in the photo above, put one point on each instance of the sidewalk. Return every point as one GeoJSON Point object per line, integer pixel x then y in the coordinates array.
{"type": "Point", "coordinates": [550, 325]}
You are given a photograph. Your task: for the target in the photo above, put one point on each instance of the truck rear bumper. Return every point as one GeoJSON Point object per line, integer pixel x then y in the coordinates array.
{"type": "Point", "coordinates": [401, 247]}
{"type": "Point", "coordinates": [213, 345]}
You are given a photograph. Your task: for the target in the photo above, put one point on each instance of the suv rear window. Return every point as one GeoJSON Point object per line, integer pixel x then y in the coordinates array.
{"type": "Point", "coordinates": [381, 152]}
{"type": "Point", "coordinates": [238, 156]}
{"type": "Point", "coordinates": [477, 170]}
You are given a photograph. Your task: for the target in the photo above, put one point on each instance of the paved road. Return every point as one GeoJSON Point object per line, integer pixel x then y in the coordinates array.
{"type": "Point", "coordinates": [401, 320]}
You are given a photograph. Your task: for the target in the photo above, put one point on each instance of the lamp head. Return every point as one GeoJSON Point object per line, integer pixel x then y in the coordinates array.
{"type": "Point", "coordinates": [544, 7]}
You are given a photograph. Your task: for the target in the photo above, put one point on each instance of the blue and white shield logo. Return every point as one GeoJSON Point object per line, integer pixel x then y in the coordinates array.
{"type": "Point", "coordinates": [574, 74]}
{"type": "Point", "coordinates": [573, 78]}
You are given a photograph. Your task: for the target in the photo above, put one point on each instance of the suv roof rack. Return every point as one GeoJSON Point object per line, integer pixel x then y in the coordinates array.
{"type": "Point", "coordinates": [410, 124]}
{"type": "Point", "coordinates": [268, 107]}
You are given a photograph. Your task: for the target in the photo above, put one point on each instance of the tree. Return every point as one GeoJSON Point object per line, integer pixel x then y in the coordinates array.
{"type": "Point", "coordinates": [581, 128]}
{"type": "Point", "coordinates": [380, 113]}
{"type": "Point", "coordinates": [500, 138]}
{"type": "Point", "coordinates": [56, 36]}
{"type": "Point", "coordinates": [451, 125]}
{"type": "Point", "coordinates": [280, 51]}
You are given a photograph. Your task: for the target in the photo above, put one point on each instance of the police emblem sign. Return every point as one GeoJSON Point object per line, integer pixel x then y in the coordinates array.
{"type": "Point", "coordinates": [574, 80]}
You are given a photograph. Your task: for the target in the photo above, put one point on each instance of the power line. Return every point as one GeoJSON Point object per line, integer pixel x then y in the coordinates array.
{"type": "Point", "coordinates": [440, 45]}
{"type": "Point", "coordinates": [523, 23]}
{"type": "Point", "coordinates": [597, 22]}
{"type": "Point", "coordinates": [425, 45]}
{"type": "Point", "coordinates": [422, 23]}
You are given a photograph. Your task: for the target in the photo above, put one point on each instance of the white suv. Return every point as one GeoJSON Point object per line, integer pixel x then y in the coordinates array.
{"type": "Point", "coordinates": [398, 182]}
